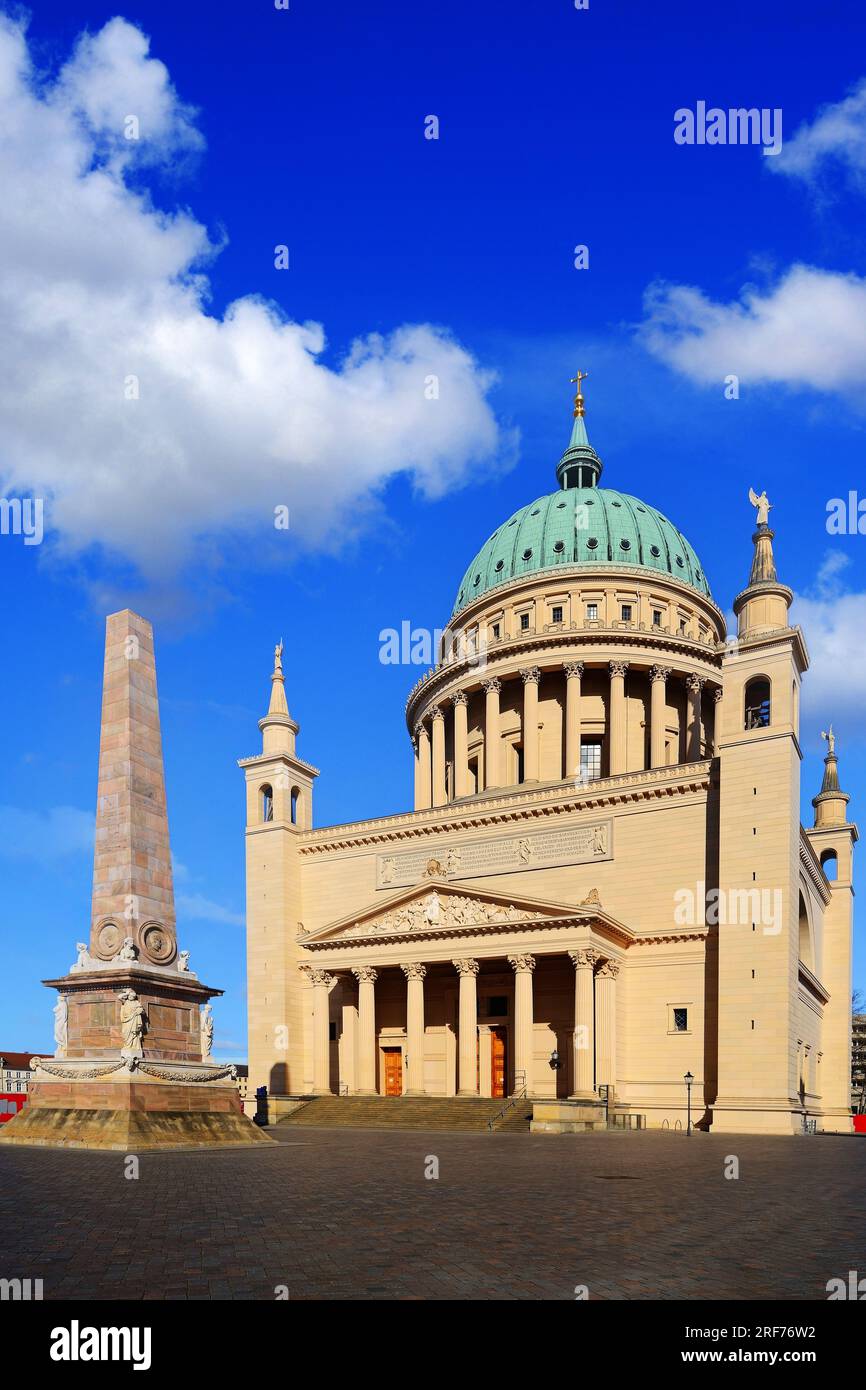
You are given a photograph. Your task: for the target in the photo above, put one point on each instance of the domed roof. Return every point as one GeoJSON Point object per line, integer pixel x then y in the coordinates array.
{"type": "Point", "coordinates": [581, 525]}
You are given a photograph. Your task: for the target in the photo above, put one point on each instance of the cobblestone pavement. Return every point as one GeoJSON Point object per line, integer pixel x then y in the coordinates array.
{"type": "Point", "coordinates": [343, 1214]}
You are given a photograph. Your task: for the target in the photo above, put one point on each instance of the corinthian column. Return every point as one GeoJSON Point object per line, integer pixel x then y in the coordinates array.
{"type": "Point", "coordinates": [658, 706]}
{"type": "Point", "coordinates": [422, 778]}
{"type": "Point", "coordinates": [573, 678]}
{"type": "Point", "coordinates": [366, 977]}
{"type": "Point", "coordinates": [467, 1024]}
{"type": "Point", "coordinates": [439, 797]}
{"type": "Point", "coordinates": [531, 676]}
{"type": "Point", "coordinates": [460, 702]}
{"type": "Point", "coordinates": [523, 967]}
{"type": "Point", "coordinates": [492, 688]}
{"type": "Point", "coordinates": [321, 982]}
{"type": "Point", "coordinates": [415, 1026]}
{"type": "Point", "coordinates": [605, 1018]}
{"type": "Point", "coordinates": [694, 685]}
{"type": "Point", "coordinates": [617, 732]}
{"type": "Point", "coordinates": [584, 1023]}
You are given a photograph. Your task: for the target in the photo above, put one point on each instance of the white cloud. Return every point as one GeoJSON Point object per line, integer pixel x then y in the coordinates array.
{"type": "Point", "coordinates": [834, 142]}
{"type": "Point", "coordinates": [45, 835]}
{"type": "Point", "coordinates": [199, 908]}
{"type": "Point", "coordinates": [808, 328]}
{"type": "Point", "coordinates": [833, 621]}
{"type": "Point", "coordinates": [237, 414]}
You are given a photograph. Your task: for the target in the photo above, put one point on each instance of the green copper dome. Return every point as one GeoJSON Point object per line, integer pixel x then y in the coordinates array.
{"type": "Point", "coordinates": [581, 525]}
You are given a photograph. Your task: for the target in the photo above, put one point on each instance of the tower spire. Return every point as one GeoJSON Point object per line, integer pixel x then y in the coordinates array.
{"type": "Point", "coordinates": [580, 465]}
{"type": "Point", "coordinates": [763, 605]}
{"type": "Point", "coordinates": [278, 703]}
{"type": "Point", "coordinates": [279, 729]}
{"type": "Point", "coordinates": [831, 801]}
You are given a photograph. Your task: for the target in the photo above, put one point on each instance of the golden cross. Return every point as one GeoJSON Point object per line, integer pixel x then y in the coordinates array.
{"type": "Point", "coordinates": [578, 400]}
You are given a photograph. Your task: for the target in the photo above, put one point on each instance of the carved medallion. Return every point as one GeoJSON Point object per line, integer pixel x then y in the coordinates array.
{"type": "Point", "coordinates": [157, 944]}
{"type": "Point", "coordinates": [109, 940]}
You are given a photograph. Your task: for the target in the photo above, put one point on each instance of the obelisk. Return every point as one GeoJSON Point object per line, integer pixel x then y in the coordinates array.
{"type": "Point", "coordinates": [133, 1026]}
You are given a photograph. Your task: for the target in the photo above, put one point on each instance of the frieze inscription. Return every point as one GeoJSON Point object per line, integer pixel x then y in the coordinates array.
{"type": "Point", "coordinates": [545, 849]}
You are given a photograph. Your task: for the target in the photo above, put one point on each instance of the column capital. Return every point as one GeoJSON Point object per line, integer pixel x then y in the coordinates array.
{"type": "Point", "coordinates": [460, 698]}
{"type": "Point", "coordinates": [414, 970]}
{"type": "Point", "coordinates": [718, 692]}
{"type": "Point", "coordinates": [437, 712]}
{"type": "Point", "coordinates": [319, 977]}
{"type": "Point", "coordinates": [695, 683]}
{"type": "Point", "coordinates": [530, 675]}
{"type": "Point", "coordinates": [492, 686]}
{"type": "Point", "coordinates": [609, 969]}
{"type": "Point", "coordinates": [365, 973]}
{"type": "Point", "coordinates": [618, 668]}
{"type": "Point", "coordinates": [420, 730]}
{"type": "Point", "coordinates": [573, 670]}
{"type": "Point", "coordinates": [585, 957]}
{"type": "Point", "coordinates": [465, 967]}
{"type": "Point", "coordinates": [522, 963]}
{"type": "Point", "coordinates": [659, 673]}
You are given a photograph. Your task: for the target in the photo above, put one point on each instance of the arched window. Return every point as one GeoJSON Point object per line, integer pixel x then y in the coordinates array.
{"type": "Point", "coordinates": [267, 795]}
{"type": "Point", "coordinates": [805, 940]}
{"type": "Point", "coordinates": [296, 802]}
{"type": "Point", "coordinates": [757, 703]}
{"type": "Point", "coordinates": [830, 864]}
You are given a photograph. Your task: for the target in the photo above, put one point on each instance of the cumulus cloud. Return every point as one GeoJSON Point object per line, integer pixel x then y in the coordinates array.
{"type": "Point", "coordinates": [196, 907]}
{"type": "Point", "coordinates": [833, 619]}
{"type": "Point", "coordinates": [103, 294]}
{"type": "Point", "coordinates": [808, 327]}
{"type": "Point", "coordinates": [47, 835]}
{"type": "Point", "coordinates": [833, 143]}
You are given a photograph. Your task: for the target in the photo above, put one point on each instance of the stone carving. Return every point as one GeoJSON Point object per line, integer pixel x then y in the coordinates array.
{"type": "Point", "coordinates": [572, 844]}
{"type": "Point", "coordinates": [133, 1022]}
{"type": "Point", "coordinates": [695, 683]}
{"type": "Point", "coordinates": [659, 673]}
{"type": "Point", "coordinates": [206, 1030]}
{"type": "Point", "coordinates": [318, 977]}
{"type": "Point", "coordinates": [278, 658]}
{"type": "Point", "coordinates": [530, 675]}
{"type": "Point", "coordinates": [584, 958]}
{"type": "Point", "coordinates": [465, 967]}
{"type": "Point", "coordinates": [444, 911]}
{"type": "Point", "coordinates": [492, 686]}
{"type": "Point", "coordinates": [74, 1073]}
{"type": "Point", "coordinates": [433, 869]}
{"type": "Point", "coordinates": [592, 899]}
{"type": "Point", "coordinates": [165, 1074]}
{"type": "Point", "coordinates": [61, 1020]}
{"type": "Point", "coordinates": [83, 962]}
{"type": "Point", "coordinates": [157, 943]}
{"type": "Point", "coordinates": [718, 693]}
{"type": "Point", "coordinates": [109, 940]}
{"type": "Point", "coordinates": [128, 950]}
{"type": "Point", "coordinates": [609, 968]}
{"type": "Point", "coordinates": [764, 507]}
{"type": "Point", "coordinates": [460, 698]}
{"type": "Point", "coordinates": [618, 668]}
{"type": "Point", "coordinates": [830, 738]}
{"type": "Point", "coordinates": [414, 970]}
{"type": "Point", "coordinates": [573, 670]}
{"type": "Point", "coordinates": [521, 963]}
{"type": "Point", "coordinates": [386, 872]}
{"type": "Point", "coordinates": [453, 861]}
{"type": "Point", "coordinates": [524, 849]}
{"type": "Point", "coordinates": [365, 973]}
{"type": "Point", "coordinates": [183, 961]}
{"type": "Point", "coordinates": [599, 839]}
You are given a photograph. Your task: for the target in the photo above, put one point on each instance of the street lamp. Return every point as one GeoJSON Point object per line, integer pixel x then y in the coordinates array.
{"type": "Point", "coordinates": [688, 1078]}
{"type": "Point", "coordinates": [555, 1060]}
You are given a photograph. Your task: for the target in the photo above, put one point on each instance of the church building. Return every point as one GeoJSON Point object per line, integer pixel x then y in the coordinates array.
{"type": "Point", "coordinates": [604, 888]}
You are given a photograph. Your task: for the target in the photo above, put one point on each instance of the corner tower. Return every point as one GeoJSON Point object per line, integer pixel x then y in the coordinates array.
{"type": "Point", "coordinates": [279, 806]}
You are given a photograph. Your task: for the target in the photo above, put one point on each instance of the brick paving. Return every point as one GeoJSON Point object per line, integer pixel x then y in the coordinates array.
{"type": "Point", "coordinates": [343, 1214]}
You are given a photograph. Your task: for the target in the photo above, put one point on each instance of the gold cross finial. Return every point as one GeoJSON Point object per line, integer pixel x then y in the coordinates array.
{"type": "Point", "coordinates": [578, 400]}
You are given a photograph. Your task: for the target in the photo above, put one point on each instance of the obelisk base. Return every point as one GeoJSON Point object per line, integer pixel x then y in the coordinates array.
{"type": "Point", "coordinates": [90, 1105]}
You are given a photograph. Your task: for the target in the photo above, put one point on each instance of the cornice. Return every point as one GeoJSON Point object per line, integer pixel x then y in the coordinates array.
{"type": "Point", "coordinates": [555, 800]}
{"type": "Point", "coordinates": [277, 757]}
{"type": "Point", "coordinates": [812, 867]}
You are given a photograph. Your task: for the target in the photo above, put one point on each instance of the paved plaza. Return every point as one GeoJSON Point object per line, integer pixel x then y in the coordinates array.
{"type": "Point", "coordinates": [345, 1214]}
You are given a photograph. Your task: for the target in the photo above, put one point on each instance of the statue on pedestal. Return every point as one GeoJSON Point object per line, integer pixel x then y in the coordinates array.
{"type": "Point", "coordinates": [132, 1021]}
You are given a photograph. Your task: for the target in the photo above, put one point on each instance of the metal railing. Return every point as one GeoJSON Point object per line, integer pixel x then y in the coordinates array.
{"type": "Point", "coordinates": [518, 1095]}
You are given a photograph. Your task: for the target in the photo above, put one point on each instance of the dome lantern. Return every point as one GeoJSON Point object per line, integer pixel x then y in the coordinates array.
{"type": "Point", "coordinates": [580, 466]}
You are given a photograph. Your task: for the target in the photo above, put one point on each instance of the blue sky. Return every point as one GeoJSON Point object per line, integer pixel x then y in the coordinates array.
{"type": "Point", "coordinates": [306, 129]}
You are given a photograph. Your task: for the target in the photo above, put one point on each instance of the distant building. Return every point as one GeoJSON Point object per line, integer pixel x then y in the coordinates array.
{"type": "Point", "coordinates": [15, 1077]}
{"type": "Point", "coordinates": [243, 1072]}
{"type": "Point", "coordinates": [858, 1055]}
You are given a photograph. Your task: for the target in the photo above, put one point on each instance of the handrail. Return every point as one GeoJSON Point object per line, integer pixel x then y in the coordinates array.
{"type": "Point", "coordinates": [519, 1093]}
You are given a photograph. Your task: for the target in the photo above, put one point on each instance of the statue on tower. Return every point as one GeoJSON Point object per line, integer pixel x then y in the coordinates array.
{"type": "Point", "coordinates": [763, 505]}
{"type": "Point", "coordinates": [831, 741]}
{"type": "Point", "coordinates": [278, 657]}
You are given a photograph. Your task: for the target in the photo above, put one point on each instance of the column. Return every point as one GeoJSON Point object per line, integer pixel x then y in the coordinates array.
{"type": "Point", "coordinates": [439, 797]}
{"type": "Point", "coordinates": [605, 1023]}
{"type": "Point", "coordinates": [717, 718]}
{"type": "Point", "coordinates": [366, 977]}
{"type": "Point", "coordinates": [523, 967]}
{"type": "Point", "coordinates": [460, 702]}
{"type": "Point", "coordinates": [415, 1027]}
{"type": "Point", "coordinates": [349, 1038]}
{"type": "Point", "coordinates": [467, 1028]}
{"type": "Point", "coordinates": [573, 677]}
{"type": "Point", "coordinates": [617, 731]}
{"type": "Point", "coordinates": [422, 783]}
{"type": "Point", "coordinates": [531, 676]}
{"type": "Point", "coordinates": [658, 708]}
{"type": "Point", "coordinates": [584, 1023]}
{"type": "Point", "coordinates": [492, 688]}
{"type": "Point", "coordinates": [694, 685]}
{"type": "Point", "coordinates": [321, 982]}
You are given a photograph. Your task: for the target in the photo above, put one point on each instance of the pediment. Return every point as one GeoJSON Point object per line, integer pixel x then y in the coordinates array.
{"type": "Point", "coordinates": [436, 906]}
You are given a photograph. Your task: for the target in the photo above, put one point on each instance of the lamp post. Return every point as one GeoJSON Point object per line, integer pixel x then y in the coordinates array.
{"type": "Point", "coordinates": [688, 1078]}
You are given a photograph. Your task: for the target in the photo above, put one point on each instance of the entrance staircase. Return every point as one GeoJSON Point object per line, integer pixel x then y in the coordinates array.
{"type": "Point", "coordinates": [409, 1112]}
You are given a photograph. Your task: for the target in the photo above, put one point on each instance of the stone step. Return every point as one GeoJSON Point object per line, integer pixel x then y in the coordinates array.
{"type": "Point", "coordinates": [404, 1112]}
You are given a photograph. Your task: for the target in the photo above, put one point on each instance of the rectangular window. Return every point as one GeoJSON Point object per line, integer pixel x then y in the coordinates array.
{"type": "Point", "coordinates": [592, 612]}
{"type": "Point", "coordinates": [496, 632]}
{"type": "Point", "coordinates": [657, 618]}
{"type": "Point", "coordinates": [556, 615]}
{"type": "Point", "coordinates": [590, 761]}
{"type": "Point", "coordinates": [524, 622]}
{"type": "Point", "coordinates": [681, 1020]}
{"type": "Point", "coordinates": [626, 612]}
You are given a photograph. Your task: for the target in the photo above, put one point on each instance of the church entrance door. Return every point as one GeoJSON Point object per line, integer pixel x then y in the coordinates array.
{"type": "Point", "coordinates": [498, 1067]}
{"type": "Point", "coordinates": [393, 1071]}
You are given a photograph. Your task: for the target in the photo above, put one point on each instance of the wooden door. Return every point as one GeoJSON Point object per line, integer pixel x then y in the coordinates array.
{"type": "Point", "coordinates": [393, 1071]}
{"type": "Point", "coordinates": [498, 1069]}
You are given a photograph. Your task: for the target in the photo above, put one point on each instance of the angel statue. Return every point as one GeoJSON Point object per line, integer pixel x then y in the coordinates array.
{"type": "Point", "coordinates": [763, 506]}
{"type": "Point", "coordinates": [831, 741]}
{"type": "Point", "coordinates": [278, 656]}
